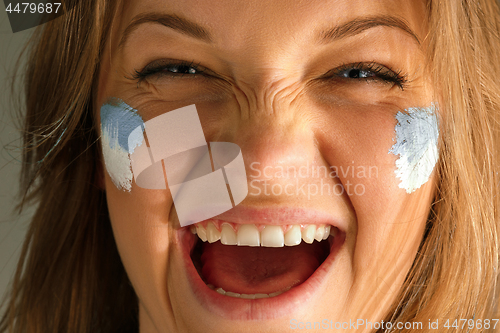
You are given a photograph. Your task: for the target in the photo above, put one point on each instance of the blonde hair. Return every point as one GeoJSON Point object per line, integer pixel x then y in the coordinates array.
{"type": "Point", "coordinates": [455, 273]}
{"type": "Point", "coordinates": [70, 277]}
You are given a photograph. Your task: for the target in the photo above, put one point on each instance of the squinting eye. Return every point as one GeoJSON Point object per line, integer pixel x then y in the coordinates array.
{"type": "Point", "coordinates": [181, 69]}
{"type": "Point", "coordinates": [169, 68]}
{"type": "Point", "coordinates": [355, 73]}
{"type": "Point", "coordinates": [370, 72]}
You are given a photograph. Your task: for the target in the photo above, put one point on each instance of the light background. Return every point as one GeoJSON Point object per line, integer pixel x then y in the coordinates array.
{"type": "Point", "coordinates": [12, 226]}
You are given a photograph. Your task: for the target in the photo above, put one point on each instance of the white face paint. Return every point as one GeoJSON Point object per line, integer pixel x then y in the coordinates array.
{"type": "Point", "coordinates": [118, 120]}
{"type": "Point", "coordinates": [417, 133]}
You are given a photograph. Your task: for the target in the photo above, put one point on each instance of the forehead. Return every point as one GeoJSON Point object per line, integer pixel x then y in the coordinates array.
{"type": "Point", "coordinates": [236, 24]}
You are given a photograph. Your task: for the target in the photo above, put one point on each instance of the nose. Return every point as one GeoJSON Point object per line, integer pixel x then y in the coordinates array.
{"type": "Point", "coordinates": [271, 142]}
{"type": "Point", "coordinates": [282, 161]}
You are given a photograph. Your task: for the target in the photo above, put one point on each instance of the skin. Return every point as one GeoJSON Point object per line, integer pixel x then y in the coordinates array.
{"type": "Point", "coordinates": [271, 98]}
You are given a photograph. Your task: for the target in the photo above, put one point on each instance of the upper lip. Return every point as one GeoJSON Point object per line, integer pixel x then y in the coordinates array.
{"type": "Point", "coordinates": [280, 215]}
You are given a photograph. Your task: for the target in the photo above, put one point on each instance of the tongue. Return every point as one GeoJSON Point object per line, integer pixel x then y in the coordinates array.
{"type": "Point", "coordinates": [254, 270]}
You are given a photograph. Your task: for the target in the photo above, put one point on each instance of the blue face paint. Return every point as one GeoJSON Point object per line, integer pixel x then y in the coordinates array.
{"type": "Point", "coordinates": [118, 120]}
{"type": "Point", "coordinates": [121, 119]}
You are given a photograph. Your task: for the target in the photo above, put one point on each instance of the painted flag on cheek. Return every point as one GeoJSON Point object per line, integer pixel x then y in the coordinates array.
{"type": "Point", "coordinates": [205, 179]}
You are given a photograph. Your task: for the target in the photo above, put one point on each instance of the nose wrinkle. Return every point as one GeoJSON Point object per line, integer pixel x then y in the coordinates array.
{"type": "Point", "coordinates": [265, 95]}
{"type": "Point", "coordinates": [273, 127]}
{"type": "Point", "coordinates": [281, 137]}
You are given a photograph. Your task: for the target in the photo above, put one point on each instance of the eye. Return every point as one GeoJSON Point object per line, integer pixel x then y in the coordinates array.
{"type": "Point", "coordinates": [355, 73]}
{"type": "Point", "coordinates": [169, 68]}
{"type": "Point", "coordinates": [368, 72]}
{"type": "Point", "coordinates": [181, 69]}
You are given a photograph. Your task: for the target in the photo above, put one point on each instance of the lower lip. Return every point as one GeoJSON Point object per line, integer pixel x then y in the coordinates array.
{"type": "Point", "coordinates": [254, 309]}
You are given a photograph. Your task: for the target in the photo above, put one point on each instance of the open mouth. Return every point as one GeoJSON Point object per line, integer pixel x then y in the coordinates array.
{"type": "Point", "coordinates": [255, 261]}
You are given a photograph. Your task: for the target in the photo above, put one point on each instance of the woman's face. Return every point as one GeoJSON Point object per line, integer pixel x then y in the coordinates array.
{"type": "Point", "coordinates": [313, 93]}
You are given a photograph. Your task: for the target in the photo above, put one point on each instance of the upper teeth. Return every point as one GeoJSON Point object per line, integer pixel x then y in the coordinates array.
{"type": "Point", "coordinates": [266, 235]}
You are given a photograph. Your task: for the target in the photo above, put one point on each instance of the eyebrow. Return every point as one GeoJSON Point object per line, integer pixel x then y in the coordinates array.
{"type": "Point", "coordinates": [359, 25]}
{"type": "Point", "coordinates": [192, 29]}
{"type": "Point", "coordinates": [174, 22]}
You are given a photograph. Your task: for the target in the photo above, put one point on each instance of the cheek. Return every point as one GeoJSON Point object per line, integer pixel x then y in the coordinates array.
{"type": "Point", "coordinates": [118, 123]}
{"type": "Point", "coordinates": [140, 222]}
{"type": "Point", "coordinates": [364, 145]}
{"type": "Point", "coordinates": [357, 142]}
{"type": "Point", "coordinates": [380, 153]}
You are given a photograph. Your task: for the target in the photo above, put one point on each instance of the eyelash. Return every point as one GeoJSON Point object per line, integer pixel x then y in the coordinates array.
{"type": "Point", "coordinates": [376, 72]}
{"type": "Point", "coordinates": [160, 69]}
{"type": "Point", "coordinates": [380, 72]}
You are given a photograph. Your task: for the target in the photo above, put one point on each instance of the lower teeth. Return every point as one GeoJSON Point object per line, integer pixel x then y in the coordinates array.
{"type": "Point", "coordinates": [245, 296]}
